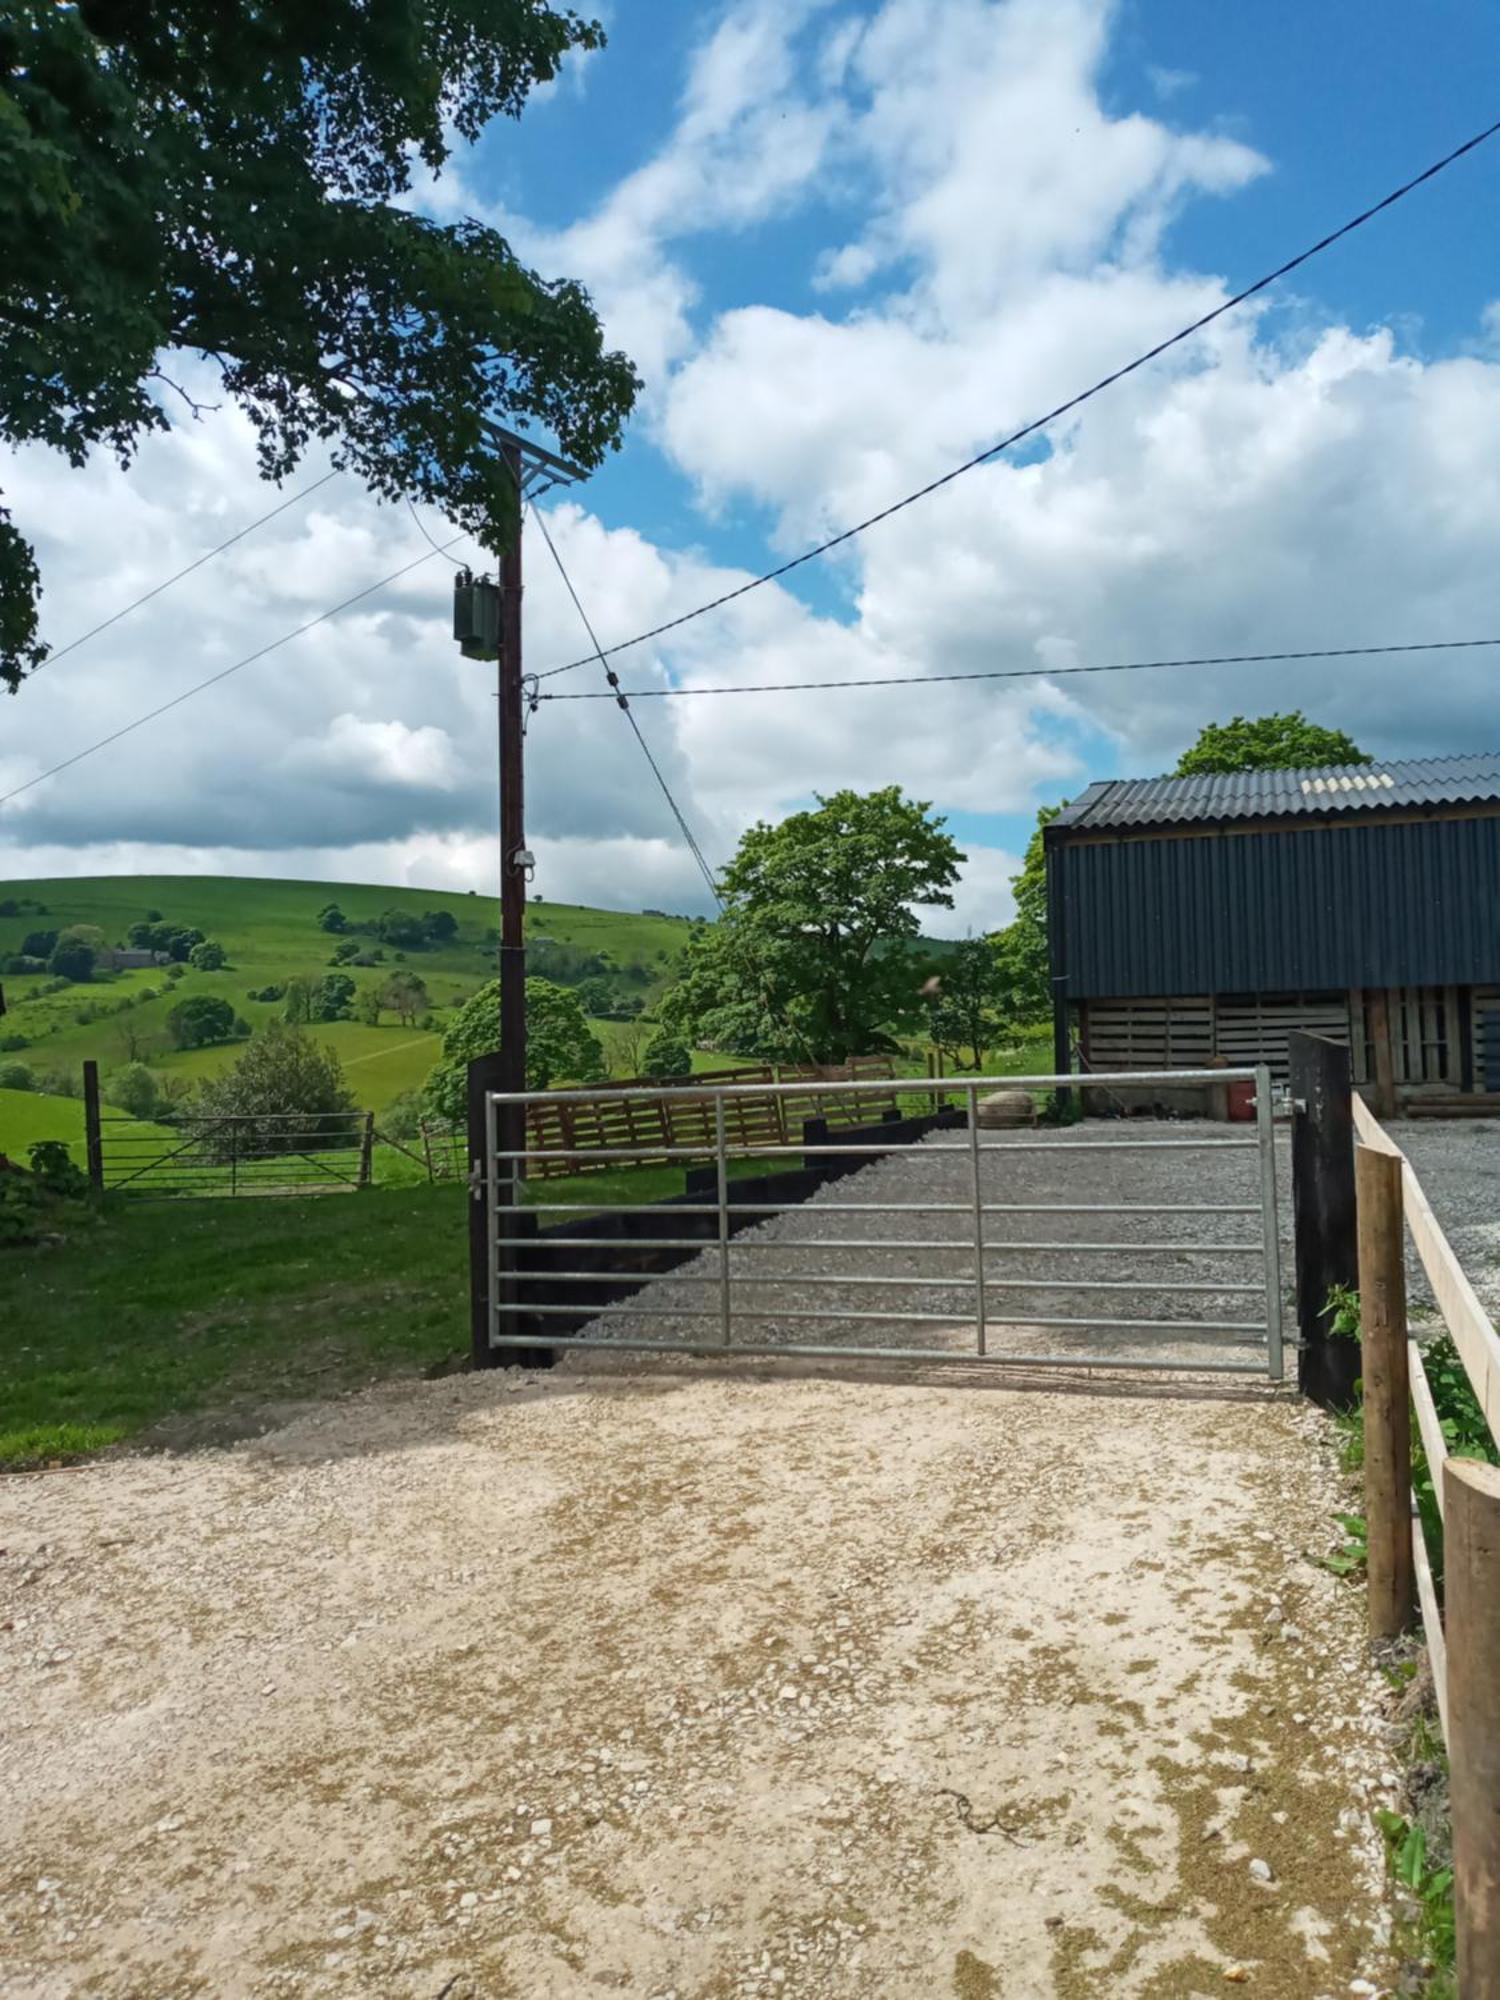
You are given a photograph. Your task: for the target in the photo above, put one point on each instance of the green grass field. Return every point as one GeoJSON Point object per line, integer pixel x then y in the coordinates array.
{"type": "Point", "coordinates": [149, 1312]}
{"type": "Point", "coordinates": [158, 1313]}
{"type": "Point", "coordinates": [270, 932]}
{"type": "Point", "coordinates": [188, 1321]}
{"type": "Point", "coordinates": [26, 1117]}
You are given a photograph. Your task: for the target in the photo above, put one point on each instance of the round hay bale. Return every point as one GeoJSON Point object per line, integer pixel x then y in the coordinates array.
{"type": "Point", "coordinates": [1007, 1109]}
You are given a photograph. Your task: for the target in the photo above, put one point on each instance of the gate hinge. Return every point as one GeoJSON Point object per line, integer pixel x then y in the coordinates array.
{"type": "Point", "coordinates": [476, 1180]}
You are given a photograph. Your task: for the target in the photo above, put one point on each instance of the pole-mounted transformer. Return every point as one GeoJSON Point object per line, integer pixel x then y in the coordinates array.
{"type": "Point", "coordinates": [476, 615]}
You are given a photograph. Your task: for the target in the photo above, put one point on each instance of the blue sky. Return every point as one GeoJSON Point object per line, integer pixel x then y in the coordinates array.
{"type": "Point", "coordinates": [849, 244]}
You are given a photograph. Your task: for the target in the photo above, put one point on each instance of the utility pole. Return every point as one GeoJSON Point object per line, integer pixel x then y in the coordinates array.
{"type": "Point", "coordinates": [487, 625]}
{"type": "Point", "coordinates": [515, 859]}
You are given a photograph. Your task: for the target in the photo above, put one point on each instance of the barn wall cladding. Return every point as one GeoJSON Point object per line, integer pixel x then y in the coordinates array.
{"type": "Point", "coordinates": [1375, 902]}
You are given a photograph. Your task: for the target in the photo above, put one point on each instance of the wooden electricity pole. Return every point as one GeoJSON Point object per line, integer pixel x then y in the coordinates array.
{"type": "Point", "coordinates": [487, 626]}
{"type": "Point", "coordinates": [515, 861]}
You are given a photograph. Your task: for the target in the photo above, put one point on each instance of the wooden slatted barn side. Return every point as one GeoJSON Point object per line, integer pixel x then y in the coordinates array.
{"type": "Point", "coordinates": [1253, 1028]}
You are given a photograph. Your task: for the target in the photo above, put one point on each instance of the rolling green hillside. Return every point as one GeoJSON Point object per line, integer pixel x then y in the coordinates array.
{"type": "Point", "coordinates": [26, 1118]}
{"type": "Point", "coordinates": [270, 931]}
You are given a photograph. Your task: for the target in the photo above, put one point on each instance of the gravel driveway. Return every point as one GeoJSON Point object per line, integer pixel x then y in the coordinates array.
{"type": "Point", "coordinates": [689, 1684]}
{"type": "Point", "coordinates": [1151, 1180]}
{"type": "Point", "coordinates": [1458, 1164]}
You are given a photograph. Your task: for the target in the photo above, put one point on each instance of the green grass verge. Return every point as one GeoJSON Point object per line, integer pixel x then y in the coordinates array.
{"type": "Point", "coordinates": [159, 1313]}
{"type": "Point", "coordinates": [158, 1310]}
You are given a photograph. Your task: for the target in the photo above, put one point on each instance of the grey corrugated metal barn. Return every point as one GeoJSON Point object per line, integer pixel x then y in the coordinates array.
{"type": "Point", "coordinates": [1197, 918]}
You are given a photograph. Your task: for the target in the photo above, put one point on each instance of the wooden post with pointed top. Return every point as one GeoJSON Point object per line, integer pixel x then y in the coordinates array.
{"type": "Point", "coordinates": [1471, 1581]}
{"type": "Point", "coordinates": [1382, 1305]}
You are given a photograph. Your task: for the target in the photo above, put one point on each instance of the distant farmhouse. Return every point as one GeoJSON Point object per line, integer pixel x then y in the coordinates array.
{"type": "Point", "coordinates": [1198, 918]}
{"type": "Point", "coordinates": [126, 958]}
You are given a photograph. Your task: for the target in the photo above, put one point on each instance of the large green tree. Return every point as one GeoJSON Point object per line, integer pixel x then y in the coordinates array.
{"type": "Point", "coordinates": [970, 1001]}
{"type": "Point", "coordinates": [1021, 947]}
{"type": "Point", "coordinates": [1267, 743]}
{"type": "Point", "coordinates": [560, 1045]}
{"type": "Point", "coordinates": [285, 1094]}
{"type": "Point", "coordinates": [201, 1019]}
{"type": "Point", "coordinates": [231, 183]}
{"type": "Point", "coordinates": [813, 954]}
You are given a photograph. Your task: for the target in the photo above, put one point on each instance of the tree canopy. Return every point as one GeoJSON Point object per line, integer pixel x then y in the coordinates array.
{"type": "Point", "coordinates": [72, 958]}
{"type": "Point", "coordinates": [199, 1020]}
{"type": "Point", "coordinates": [405, 993]}
{"type": "Point", "coordinates": [970, 1001]}
{"type": "Point", "coordinates": [1267, 743]}
{"type": "Point", "coordinates": [560, 1045]}
{"type": "Point", "coordinates": [813, 952]}
{"type": "Point", "coordinates": [1022, 946]}
{"type": "Point", "coordinates": [282, 1078]}
{"type": "Point", "coordinates": [229, 183]}
{"type": "Point", "coordinates": [666, 1055]}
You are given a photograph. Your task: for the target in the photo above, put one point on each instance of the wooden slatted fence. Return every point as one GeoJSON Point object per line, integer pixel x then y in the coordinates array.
{"type": "Point", "coordinates": [645, 1128]}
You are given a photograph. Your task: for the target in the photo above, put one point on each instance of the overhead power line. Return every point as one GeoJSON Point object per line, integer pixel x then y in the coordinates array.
{"type": "Point", "coordinates": [292, 500]}
{"type": "Point", "coordinates": [438, 548]}
{"type": "Point", "coordinates": [613, 693]}
{"type": "Point", "coordinates": [749, 961]}
{"type": "Point", "coordinates": [1036, 673]}
{"type": "Point", "coordinates": [1061, 410]}
{"type": "Point", "coordinates": [224, 673]}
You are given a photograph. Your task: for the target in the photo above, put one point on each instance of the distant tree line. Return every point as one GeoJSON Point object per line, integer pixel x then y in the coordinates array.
{"type": "Point", "coordinates": [400, 930]}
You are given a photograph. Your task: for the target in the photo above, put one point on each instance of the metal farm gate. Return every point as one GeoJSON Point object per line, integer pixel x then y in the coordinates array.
{"type": "Point", "coordinates": [912, 1232]}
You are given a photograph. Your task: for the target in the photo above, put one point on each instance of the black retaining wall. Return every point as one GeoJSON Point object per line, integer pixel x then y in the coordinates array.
{"type": "Point", "coordinates": [624, 1242]}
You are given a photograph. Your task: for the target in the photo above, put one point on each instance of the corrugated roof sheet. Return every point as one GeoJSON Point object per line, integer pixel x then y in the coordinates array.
{"type": "Point", "coordinates": [1336, 788]}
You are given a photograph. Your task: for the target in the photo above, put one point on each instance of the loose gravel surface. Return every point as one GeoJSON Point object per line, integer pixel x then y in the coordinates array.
{"type": "Point", "coordinates": [667, 1680]}
{"type": "Point", "coordinates": [1458, 1163]}
{"type": "Point", "coordinates": [1142, 1190]}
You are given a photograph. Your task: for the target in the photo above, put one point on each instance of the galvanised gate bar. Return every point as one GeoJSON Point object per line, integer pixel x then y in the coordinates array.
{"type": "Point", "coordinates": [959, 1240]}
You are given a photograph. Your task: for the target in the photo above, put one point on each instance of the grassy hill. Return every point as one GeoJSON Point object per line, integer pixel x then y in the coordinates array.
{"type": "Point", "coordinates": [270, 932]}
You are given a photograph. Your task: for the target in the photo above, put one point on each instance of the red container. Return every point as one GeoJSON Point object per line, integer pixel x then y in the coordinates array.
{"type": "Point", "coordinates": [1241, 1097]}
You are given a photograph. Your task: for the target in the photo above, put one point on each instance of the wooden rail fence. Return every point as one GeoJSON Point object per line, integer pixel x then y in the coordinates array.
{"type": "Point", "coordinates": [1463, 1629]}
{"type": "Point", "coordinates": [647, 1127]}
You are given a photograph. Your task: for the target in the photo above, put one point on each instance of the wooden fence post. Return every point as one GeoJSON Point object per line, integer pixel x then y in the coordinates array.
{"type": "Point", "coordinates": [367, 1151]}
{"type": "Point", "coordinates": [1471, 1562]}
{"type": "Point", "coordinates": [1382, 1300]}
{"type": "Point", "coordinates": [1378, 1002]}
{"type": "Point", "coordinates": [1323, 1213]}
{"type": "Point", "coordinates": [92, 1130]}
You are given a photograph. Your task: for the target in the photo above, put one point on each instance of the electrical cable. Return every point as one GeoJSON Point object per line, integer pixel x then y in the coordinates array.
{"type": "Point", "coordinates": [1061, 410]}
{"type": "Point", "coordinates": [616, 696]}
{"type": "Point", "coordinates": [438, 548]}
{"type": "Point", "coordinates": [755, 971]}
{"type": "Point", "coordinates": [222, 675]}
{"type": "Point", "coordinates": [1039, 673]}
{"type": "Point", "coordinates": [61, 652]}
